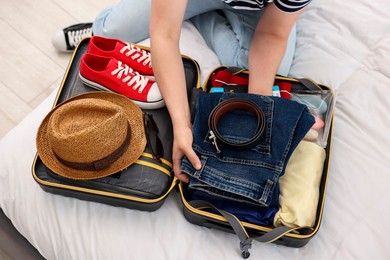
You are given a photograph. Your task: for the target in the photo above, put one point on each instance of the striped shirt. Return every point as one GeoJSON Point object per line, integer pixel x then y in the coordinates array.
{"type": "Point", "coordinates": [284, 5]}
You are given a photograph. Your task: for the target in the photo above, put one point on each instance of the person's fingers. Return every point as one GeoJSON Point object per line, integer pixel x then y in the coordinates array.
{"type": "Point", "coordinates": [177, 160]}
{"type": "Point", "coordinates": [176, 170]}
{"type": "Point", "coordinates": [183, 177]}
{"type": "Point", "coordinates": [194, 159]}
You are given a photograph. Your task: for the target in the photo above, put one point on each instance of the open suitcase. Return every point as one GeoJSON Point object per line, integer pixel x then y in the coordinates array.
{"type": "Point", "coordinates": [207, 215]}
{"type": "Point", "coordinates": [118, 189]}
{"type": "Point", "coordinates": [142, 186]}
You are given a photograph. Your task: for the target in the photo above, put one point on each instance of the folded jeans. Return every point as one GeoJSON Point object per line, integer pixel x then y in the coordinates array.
{"type": "Point", "coordinates": [250, 175]}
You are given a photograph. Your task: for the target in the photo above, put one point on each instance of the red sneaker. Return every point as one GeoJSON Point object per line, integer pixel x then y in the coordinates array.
{"type": "Point", "coordinates": [109, 74]}
{"type": "Point", "coordinates": [138, 59]}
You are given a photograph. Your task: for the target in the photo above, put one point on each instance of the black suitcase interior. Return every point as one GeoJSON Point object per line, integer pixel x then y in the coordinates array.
{"type": "Point", "coordinates": [117, 189]}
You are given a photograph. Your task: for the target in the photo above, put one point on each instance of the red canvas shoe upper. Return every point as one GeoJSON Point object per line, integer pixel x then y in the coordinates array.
{"type": "Point", "coordinates": [109, 74]}
{"type": "Point", "coordinates": [138, 59]}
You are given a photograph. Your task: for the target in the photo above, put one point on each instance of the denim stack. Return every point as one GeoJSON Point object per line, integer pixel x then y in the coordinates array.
{"type": "Point", "coordinates": [246, 176]}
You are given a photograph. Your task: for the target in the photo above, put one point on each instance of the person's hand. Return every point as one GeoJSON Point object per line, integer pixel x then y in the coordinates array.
{"type": "Point", "coordinates": [182, 146]}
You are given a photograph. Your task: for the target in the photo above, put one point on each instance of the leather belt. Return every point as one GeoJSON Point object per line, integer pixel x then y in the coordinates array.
{"type": "Point", "coordinates": [235, 104]}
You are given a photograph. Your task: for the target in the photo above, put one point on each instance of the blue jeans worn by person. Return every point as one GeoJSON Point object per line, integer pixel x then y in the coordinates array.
{"type": "Point", "coordinates": [227, 31]}
{"type": "Point", "coordinates": [252, 175]}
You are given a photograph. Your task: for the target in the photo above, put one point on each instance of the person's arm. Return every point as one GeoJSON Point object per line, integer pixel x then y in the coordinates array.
{"type": "Point", "coordinates": [165, 26]}
{"type": "Point", "coordinates": [268, 47]}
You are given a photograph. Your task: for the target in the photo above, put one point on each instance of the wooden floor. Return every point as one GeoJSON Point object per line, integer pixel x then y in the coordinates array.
{"type": "Point", "coordinates": [30, 67]}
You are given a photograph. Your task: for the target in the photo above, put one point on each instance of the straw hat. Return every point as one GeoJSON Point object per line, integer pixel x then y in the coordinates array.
{"type": "Point", "coordinates": [91, 136]}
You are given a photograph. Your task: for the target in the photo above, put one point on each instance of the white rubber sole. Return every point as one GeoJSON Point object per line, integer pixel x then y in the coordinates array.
{"type": "Point", "coordinates": [143, 105]}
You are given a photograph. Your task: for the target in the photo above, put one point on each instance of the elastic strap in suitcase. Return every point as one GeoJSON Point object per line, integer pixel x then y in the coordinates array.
{"type": "Point", "coordinates": [239, 229]}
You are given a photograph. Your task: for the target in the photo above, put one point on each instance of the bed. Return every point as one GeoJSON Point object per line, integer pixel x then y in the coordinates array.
{"type": "Point", "coordinates": [341, 44]}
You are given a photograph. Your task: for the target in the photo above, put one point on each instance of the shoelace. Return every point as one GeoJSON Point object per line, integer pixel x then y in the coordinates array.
{"type": "Point", "coordinates": [75, 37]}
{"type": "Point", "coordinates": [136, 80]}
{"type": "Point", "coordinates": [137, 53]}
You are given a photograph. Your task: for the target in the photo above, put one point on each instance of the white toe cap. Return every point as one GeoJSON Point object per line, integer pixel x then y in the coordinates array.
{"type": "Point", "coordinates": [59, 41]}
{"type": "Point", "coordinates": [154, 94]}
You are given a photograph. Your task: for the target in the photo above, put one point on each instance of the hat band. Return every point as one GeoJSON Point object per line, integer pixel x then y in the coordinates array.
{"type": "Point", "coordinates": [103, 163]}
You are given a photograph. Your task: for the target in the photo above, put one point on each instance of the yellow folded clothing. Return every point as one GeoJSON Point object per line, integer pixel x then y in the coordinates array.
{"type": "Point", "coordinates": [299, 186]}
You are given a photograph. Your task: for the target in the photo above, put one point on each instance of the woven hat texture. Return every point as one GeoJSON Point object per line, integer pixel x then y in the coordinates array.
{"type": "Point", "coordinates": [92, 135]}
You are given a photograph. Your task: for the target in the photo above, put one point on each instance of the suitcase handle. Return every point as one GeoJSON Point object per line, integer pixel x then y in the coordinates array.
{"type": "Point", "coordinates": [240, 231]}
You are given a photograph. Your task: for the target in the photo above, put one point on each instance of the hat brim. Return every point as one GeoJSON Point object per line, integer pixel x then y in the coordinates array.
{"type": "Point", "coordinates": [135, 149]}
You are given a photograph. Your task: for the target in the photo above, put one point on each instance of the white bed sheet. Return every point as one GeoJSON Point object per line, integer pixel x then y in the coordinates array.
{"type": "Point", "coordinates": [343, 44]}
